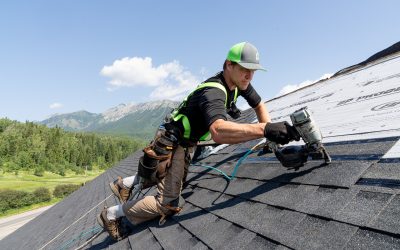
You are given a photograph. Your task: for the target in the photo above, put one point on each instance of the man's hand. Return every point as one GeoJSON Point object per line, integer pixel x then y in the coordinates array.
{"type": "Point", "coordinates": [281, 132]}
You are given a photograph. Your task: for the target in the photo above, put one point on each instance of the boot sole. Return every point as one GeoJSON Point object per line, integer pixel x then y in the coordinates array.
{"type": "Point", "coordinates": [115, 191]}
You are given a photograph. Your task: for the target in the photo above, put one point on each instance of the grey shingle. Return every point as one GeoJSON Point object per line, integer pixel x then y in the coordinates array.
{"type": "Point", "coordinates": [246, 240]}
{"type": "Point", "coordinates": [383, 171]}
{"type": "Point", "coordinates": [143, 239]}
{"type": "Point", "coordinates": [363, 208]}
{"type": "Point", "coordinates": [172, 236]}
{"type": "Point", "coordinates": [314, 200]}
{"type": "Point", "coordinates": [306, 232]}
{"type": "Point", "coordinates": [389, 219]}
{"type": "Point", "coordinates": [334, 202]}
{"type": "Point", "coordinates": [257, 243]}
{"type": "Point", "coordinates": [215, 232]}
{"type": "Point", "coordinates": [283, 228]}
{"type": "Point", "coordinates": [365, 239]}
{"type": "Point", "coordinates": [334, 235]}
{"type": "Point", "coordinates": [364, 148]}
{"type": "Point", "coordinates": [338, 174]}
{"type": "Point", "coordinates": [286, 195]}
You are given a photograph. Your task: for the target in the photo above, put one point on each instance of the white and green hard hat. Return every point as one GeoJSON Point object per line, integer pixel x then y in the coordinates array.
{"type": "Point", "coordinates": [246, 55]}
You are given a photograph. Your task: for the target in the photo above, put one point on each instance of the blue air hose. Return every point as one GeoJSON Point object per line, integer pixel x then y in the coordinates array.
{"type": "Point", "coordinates": [229, 178]}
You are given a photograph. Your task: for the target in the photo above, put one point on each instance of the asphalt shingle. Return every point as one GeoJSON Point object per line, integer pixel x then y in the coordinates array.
{"type": "Point", "coordinates": [389, 219]}
{"type": "Point", "coordinates": [365, 239]}
{"type": "Point", "coordinates": [363, 208]}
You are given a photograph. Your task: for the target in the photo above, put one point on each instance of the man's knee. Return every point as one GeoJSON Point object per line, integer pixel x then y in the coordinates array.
{"type": "Point", "coordinates": [141, 210]}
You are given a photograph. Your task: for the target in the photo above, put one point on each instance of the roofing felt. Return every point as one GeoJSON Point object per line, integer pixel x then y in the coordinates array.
{"type": "Point", "coordinates": [352, 203]}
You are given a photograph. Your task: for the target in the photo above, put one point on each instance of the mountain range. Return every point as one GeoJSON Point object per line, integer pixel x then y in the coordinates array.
{"type": "Point", "coordinates": [137, 120]}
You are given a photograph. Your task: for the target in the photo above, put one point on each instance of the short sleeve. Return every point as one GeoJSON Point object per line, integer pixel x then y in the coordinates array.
{"type": "Point", "coordinates": [251, 96]}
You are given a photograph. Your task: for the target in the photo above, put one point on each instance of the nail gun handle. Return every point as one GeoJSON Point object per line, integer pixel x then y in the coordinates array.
{"type": "Point", "coordinates": [269, 147]}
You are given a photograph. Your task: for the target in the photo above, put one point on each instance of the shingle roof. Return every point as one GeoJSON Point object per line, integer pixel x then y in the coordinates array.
{"type": "Point", "coordinates": [353, 203]}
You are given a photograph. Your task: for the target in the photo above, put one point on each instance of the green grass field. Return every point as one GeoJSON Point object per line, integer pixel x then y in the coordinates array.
{"type": "Point", "coordinates": [27, 181]}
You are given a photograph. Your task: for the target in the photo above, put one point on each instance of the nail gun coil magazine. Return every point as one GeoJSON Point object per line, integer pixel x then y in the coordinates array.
{"type": "Point", "coordinates": [294, 157]}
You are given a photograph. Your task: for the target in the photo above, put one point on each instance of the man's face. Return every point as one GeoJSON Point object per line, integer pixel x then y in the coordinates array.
{"type": "Point", "coordinates": [240, 76]}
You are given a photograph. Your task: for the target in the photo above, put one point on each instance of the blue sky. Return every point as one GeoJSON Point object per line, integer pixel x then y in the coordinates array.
{"type": "Point", "coordinates": [65, 56]}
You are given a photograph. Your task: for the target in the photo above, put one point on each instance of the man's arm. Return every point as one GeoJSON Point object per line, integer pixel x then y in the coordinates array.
{"type": "Point", "coordinates": [262, 113]}
{"type": "Point", "coordinates": [226, 132]}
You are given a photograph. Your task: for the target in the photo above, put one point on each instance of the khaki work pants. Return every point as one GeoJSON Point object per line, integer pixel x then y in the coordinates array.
{"type": "Point", "coordinates": [169, 189]}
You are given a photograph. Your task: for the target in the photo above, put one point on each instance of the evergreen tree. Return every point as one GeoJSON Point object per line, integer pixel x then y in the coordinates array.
{"type": "Point", "coordinates": [30, 146]}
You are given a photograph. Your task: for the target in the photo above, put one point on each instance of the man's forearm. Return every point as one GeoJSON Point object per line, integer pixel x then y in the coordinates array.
{"type": "Point", "coordinates": [231, 132]}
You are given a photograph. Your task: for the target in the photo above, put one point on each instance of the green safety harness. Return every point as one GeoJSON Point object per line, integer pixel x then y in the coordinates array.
{"type": "Point", "coordinates": [176, 115]}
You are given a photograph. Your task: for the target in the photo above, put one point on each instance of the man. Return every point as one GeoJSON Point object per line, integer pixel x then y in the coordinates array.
{"type": "Point", "coordinates": [203, 112]}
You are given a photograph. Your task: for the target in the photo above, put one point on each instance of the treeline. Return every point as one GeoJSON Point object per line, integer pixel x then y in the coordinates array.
{"type": "Point", "coordinates": [12, 199]}
{"type": "Point", "coordinates": [30, 146]}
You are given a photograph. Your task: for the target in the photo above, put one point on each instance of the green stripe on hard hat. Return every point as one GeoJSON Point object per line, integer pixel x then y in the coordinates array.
{"type": "Point", "coordinates": [246, 55]}
{"type": "Point", "coordinates": [235, 53]}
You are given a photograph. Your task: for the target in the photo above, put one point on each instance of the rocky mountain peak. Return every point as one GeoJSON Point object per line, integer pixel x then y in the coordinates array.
{"type": "Point", "coordinates": [120, 111]}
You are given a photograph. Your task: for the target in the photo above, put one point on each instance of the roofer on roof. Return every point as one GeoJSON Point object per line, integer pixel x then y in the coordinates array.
{"type": "Point", "coordinates": [203, 114]}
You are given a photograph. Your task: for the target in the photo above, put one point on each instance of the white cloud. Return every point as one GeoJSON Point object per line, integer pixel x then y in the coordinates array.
{"type": "Point", "coordinates": [170, 80]}
{"type": "Point", "coordinates": [290, 88]}
{"type": "Point", "coordinates": [204, 73]}
{"type": "Point", "coordinates": [55, 105]}
{"type": "Point", "coordinates": [182, 83]}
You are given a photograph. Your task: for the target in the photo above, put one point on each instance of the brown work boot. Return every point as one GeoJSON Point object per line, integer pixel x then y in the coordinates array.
{"type": "Point", "coordinates": [120, 190]}
{"type": "Point", "coordinates": [111, 226]}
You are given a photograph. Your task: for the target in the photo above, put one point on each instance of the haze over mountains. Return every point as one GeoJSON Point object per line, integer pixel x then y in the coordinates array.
{"type": "Point", "coordinates": [138, 120]}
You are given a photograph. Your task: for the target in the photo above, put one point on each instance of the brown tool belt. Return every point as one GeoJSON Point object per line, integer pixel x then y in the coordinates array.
{"type": "Point", "coordinates": [157, 157]}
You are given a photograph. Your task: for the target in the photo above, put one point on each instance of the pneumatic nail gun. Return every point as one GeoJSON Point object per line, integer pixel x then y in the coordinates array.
{"type": "Point", "coordinates": [294, 157]}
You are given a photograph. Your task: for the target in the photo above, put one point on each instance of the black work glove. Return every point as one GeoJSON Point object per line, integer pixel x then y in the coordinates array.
{"type": "Point", "coordinates": [281, 132]}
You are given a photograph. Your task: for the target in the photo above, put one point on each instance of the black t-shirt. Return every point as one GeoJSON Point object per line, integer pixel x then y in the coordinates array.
{"type": "Point", "coordinates": [206, 105]}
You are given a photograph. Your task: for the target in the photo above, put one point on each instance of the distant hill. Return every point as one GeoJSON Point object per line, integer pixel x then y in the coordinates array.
{"type": "Point", "coordinates": [138, 120]}
{"type": "Point", "coordinates": [76, 121]}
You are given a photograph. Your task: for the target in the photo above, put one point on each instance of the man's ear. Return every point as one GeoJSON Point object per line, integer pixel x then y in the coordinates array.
{"type": "Point", "coordinates": [229, 65]}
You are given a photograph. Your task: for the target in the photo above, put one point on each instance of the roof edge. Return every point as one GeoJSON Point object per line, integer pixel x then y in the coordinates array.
{"type": "Point", "coordinates": [395, 48]}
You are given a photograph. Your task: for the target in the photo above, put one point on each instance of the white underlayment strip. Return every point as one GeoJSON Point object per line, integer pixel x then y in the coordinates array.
{"type": "Point", "coordinates": [394, 152]}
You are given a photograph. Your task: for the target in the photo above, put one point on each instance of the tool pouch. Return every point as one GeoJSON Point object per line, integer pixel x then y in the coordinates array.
{"type": "Point", "coordinates": [157, 158]}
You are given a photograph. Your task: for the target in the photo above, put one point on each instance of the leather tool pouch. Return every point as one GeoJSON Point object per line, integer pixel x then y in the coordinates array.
{"type": "Point", "coordinates": [157, 158]}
